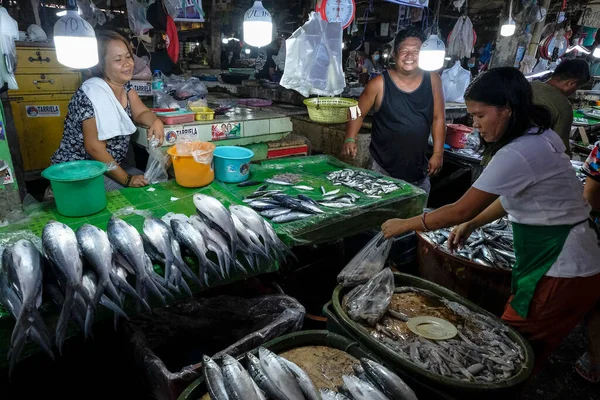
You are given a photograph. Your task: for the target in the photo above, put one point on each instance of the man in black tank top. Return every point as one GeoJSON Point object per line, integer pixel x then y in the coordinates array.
{"type": "Point", "coordinates": [409, 104]}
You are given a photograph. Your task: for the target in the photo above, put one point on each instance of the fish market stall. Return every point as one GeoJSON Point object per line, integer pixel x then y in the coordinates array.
{"type": "Point", "coordinates": [135, 220]}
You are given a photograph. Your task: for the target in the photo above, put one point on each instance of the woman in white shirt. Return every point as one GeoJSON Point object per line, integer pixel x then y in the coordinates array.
{"type": "Point", "coordinates": [557, 274]}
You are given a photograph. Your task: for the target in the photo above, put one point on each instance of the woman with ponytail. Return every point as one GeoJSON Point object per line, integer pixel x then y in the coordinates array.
{"type": "Point", "coordinates": [556, 277]}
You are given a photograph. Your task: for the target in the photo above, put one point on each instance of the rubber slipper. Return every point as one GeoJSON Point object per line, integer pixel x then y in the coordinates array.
{"type": "Point", "coordinates": [584, 368]}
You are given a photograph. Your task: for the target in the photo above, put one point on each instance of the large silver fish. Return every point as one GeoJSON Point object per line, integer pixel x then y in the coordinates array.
{"type": "Point", "coordinates": [21, 292]}
{"type": "Point", "coordinates": [158, 235]}
{"type": "Point", "coordinates": [304, 381]}
{"type": "Point", "coordinates": [387, 381]}
{"type": "Point", "coordinates": [252, 221]}
{"type": "Point", "coordinates": [242, 233]}
{"type": "Point", "coordinates": [239, 384]}
{"type": "Point", "coordinates": [128, 243]}
{"type": "Point", "coordinates": [278, 372]}
{"type": "Point", "coordinates": [191, 239]}
{"type": "Point", "coordinates": [362, 390]}
{"type": "Point", "coordinates": [220, 219]}
{"type": "Point", "coordinates": [263, 382]}
{"type": "Point", "coordinates": [61, 248]}
{"type": "Point", "coordinates": [328, 394]}
{"type": "Point", "coordinates": [215, 384]}
{"type": "Point", "coordinates": [215, 243]}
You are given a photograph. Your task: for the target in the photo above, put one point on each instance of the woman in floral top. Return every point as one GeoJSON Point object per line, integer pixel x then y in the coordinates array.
{"type": "Point", "coordinates": [80, 138]}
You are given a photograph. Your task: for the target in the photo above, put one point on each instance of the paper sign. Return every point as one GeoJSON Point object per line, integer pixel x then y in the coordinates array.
{"type": "Point", "coordinates": [5, 174]}
{"type": "Point", "coordinates": [42, 111]}
{"type": "Point", "coordinates": [590, 16]}
{"type": "Point", "coordinates": [226, 131]}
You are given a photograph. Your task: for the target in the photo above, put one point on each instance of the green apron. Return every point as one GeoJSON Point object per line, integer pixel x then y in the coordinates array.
{"type": "Point", "coordinates": [536, 249]}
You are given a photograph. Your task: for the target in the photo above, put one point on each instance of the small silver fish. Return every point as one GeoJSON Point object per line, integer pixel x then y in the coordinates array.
{"type": "Point", "coordinates": [335, 205]}
{"type": "Point", "coordinates": [301, 187]}
{"type": "Point", "coordinates": [277, 182]}
{"type": "Point", "coordinates": [336, 191]}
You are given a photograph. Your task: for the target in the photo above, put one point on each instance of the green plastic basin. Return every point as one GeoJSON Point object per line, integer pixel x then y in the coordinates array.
{"type": "Point", "coordinates": [460, 389]}
{"type": "Point", "coordinates": [78, 187]}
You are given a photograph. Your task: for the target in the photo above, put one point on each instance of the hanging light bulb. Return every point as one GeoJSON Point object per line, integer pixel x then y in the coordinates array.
{"type": "Point", "coordinates": [258, 26]}
{"type": "Point", "coordinates": [432, 54]}
{"type": "Point", "coordinates": [509, 27]}
{"type": "Point", "coordinates": [247, 51]}
{"type": "Point", "coordinates": [596, 52]}
{"type": "Point", "coordinates": [74, 39]}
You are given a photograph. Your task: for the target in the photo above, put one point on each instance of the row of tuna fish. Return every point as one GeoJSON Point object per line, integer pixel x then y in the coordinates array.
{"type": "Point", "coordinates": [273, 377]}
{"type": "Point", "coordinates": [490, 245]}
{"type": "Point", "coordinates": [82, 269]}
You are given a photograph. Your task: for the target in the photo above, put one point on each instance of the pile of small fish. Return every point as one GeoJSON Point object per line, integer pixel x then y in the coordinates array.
{"type": "Point", "coordinates": [371, 185]}
{"type": "Point", "coordinates": [91, 266]}
{"type": "Point", "coordinates": [490, 245]}
{"type": "Point", "coordinates": [281, 208]}
{"type": "Point", "coordinates": [481, 352]}
{"type": "Point", "coordinates": [274, 377]}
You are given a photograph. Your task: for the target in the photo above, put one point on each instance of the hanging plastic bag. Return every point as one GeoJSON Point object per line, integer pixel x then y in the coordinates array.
{"type": "Point", "coordinates": [9, 32]}
{"type": "Point", "coordinates": [367, 263]}
{"type": "Point", "coordinates": [156, 169]}
{"type": "Point", "coordinates": [369, 303]}
{"type": "Point", "coordinates": [455, 82]}
{"type": "Point", "coordinates": [313, 63]}
{"type": "Point", "coordinates": [136, 14]}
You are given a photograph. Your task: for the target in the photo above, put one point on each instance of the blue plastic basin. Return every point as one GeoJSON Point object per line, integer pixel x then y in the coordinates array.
{"type": "Point", "coordinates": [232, 163]}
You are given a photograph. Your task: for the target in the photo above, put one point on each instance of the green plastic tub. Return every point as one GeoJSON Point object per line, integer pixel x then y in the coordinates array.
{"type": "Point", "coordinates": [341, 322]}
{"type": "Point", "coordinates": [78, 187]}
{"type": "Point", "coordinates": [300, 339]}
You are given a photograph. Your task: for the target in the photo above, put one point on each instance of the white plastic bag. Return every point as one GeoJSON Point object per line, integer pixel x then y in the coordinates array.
{"type": "Point", "coordinates": [156, 169]}
{"type": "Point", "coordinates": [136, 14]}
{"type": "Point", "coordinates": [369, 303]}
{"type": "Point", "coordinates": [367, 263]}
{"type": "Point", "coordinates": [313, 63]}
{"type": "Point", "coordinates": [9, 32]}
{"type": "Point", "coordinates": [455, 82]}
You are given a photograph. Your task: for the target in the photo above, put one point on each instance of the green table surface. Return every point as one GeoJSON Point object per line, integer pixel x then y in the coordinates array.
{"type": "Point", "coordinates": [159, 199]}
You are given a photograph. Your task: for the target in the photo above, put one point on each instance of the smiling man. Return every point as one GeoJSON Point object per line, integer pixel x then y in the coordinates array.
{"type": "Point", "coordinates": [408, 105]}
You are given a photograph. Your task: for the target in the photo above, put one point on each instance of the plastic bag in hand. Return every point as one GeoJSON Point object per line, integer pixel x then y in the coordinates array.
{"type": "Point", "coordinates": [368, 262]}
{"type": "Point", "coordinates": [369, 303]}
{"type": "Point", "coordinates": [156, 169]}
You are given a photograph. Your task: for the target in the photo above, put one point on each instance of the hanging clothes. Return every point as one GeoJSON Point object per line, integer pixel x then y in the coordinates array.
{"type": "Point", "coordinates": [460, 41]}
{"type": "Point", "coordinates": [455, 82]}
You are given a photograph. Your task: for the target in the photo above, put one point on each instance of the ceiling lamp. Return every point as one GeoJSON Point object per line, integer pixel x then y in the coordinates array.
{"type": "Point", "coordinates": [258, 26]}
{"type": "Point", "coordinates": [509, 27]}
{"type": "Point", "coordinates": [578, 48]}
{"type": "Point", "coordinates": [432, 54]}
{"type": "Point", "coordinates": [74, 39]}
{"type": "Point", "coordinates": [596, 52]}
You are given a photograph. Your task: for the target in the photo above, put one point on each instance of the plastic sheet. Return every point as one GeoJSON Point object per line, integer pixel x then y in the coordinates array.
{"type": "Point", "coordinates": [313, 62]}
{"type": "Point", "coordinates": [367, 263]}
{"type": "Point", "coordinates": [216, 326]}
{"type": "Point", "coordinates": [368, 303]}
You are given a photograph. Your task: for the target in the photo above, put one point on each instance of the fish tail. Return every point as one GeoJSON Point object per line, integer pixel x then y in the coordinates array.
{"type": "Point", "coordinates": [85, 296]}
{"type": "Point", "coordinates": [114, 293]}
{"type": "Point", "coordinates": [187, 271]}
{"type": "Point", "coordinates": [241, 267]}
{"type": "Point", "coordinates": [89, 321]}
{"type": "Point", "coordinates": [63, 319]}
{"type": "Point", "coordinates": [112, 306]}
{"type": "Point", "coordinates": [148, 284]}
{"type": "Point", "coordinates": [185, 286]}
{"type": "Point", "coordinates": [16, 350]}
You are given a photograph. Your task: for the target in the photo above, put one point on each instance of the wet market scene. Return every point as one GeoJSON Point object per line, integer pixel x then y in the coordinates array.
{"type": "Point", "coordinates": [300, 200]}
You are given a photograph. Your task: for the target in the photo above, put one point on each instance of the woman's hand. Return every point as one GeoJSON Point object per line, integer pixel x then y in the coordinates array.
{"type": "Point", "coordinates": [393, 227]}
{"type": "Point", "coordinates": [459, 235]}
{"type": "Point", "coordinates": [157, 131]}
{"type": "Point", "coordinates": [138, 181]}
{"type": "Point", "coordinates": [349, 149]}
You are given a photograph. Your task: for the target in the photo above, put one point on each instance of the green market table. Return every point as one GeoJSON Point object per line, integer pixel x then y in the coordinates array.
{"type": "Point", "coordinates": [160, 199]}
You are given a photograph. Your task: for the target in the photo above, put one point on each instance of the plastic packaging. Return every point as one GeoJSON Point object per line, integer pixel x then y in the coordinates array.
{"type": "Point", "coordinates": [367, 263]}
{"type": "Point", "coordinates": [183, 332]}
{"type": "Point", "coordinates": [136, 14]}
{"type": "Point", "coordinates": [369, 302]}
{"type": "Point", "coordinates": [184, 144]}
{"type": "Point", "coordinates": [455, 82]}
{"type": "Point", "coordinates": [158, 87]}
{"type": "Point", "coordinates": [156, 169]}
{"type": "Point", "coordinates": [313, 62]}
{"type": "Point", "coordinates": [191, 90]}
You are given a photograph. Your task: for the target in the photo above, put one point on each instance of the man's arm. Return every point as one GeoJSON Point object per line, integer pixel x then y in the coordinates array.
{"type": "Point", "coordinates": [563, 125]}
{"type": "Point", "coordinates": [438, 128]}
{"type": "Point", "coordinates": [366, 101]}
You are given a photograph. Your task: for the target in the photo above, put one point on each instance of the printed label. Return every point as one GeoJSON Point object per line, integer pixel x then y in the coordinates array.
{"type": "Point", "coordinates": [143, 88]}
{"type": "Point", "coordinates": [244, 169]}
{"type": "Point", "coordinates": [171, 136]}
{"type": "Point", "coordinates": [42, 111]}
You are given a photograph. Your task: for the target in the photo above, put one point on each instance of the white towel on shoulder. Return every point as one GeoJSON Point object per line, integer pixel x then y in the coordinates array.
{"type": "Point", "coordinates": [111, 118]}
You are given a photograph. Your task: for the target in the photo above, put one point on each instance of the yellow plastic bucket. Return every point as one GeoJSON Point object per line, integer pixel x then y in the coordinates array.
{"type": "Point", "coordinates": [191, 173]}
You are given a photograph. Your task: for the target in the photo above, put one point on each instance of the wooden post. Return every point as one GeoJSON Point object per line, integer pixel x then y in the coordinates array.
{"type": "Point", "coordinates": [215, 38]}
{"type": "Point", "coordinates": [505, 52]}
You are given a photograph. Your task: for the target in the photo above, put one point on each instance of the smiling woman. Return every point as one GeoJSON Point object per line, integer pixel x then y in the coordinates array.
{"type": "Point", "coordinates": [100, 117]}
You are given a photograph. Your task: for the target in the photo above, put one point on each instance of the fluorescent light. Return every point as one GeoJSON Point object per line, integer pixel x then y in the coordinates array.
{"type": "Point", "coordinates": [509, 27]}
{"type": "Point", "coordinates": [596, 52]}
{"type": "Point", "coordinates": [75, 41]}
{"type": "Point", "coordinates": [432, 54]}
{"type": "Point", "coordinates": [258, 26]}
{"type": "Point", "coordinates": [247, 51]}
{"type": "Point", "coordinates": [578, 48]}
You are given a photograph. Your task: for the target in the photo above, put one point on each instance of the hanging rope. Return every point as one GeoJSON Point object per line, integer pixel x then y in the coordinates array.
{"type": "Point", "coordinates": [369, 9]}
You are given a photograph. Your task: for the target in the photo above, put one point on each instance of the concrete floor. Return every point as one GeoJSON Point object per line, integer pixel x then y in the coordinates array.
{"type": "Point", "coordinates": [558, 380]}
